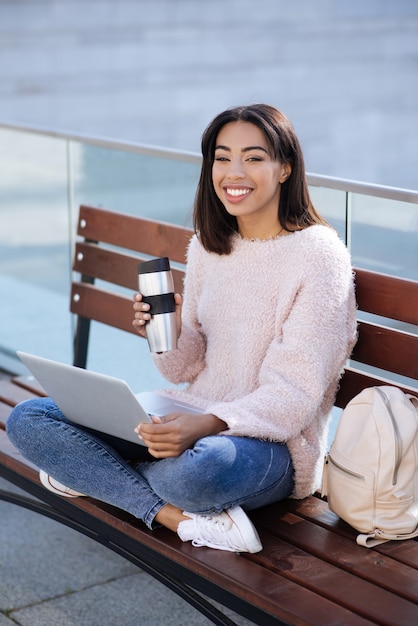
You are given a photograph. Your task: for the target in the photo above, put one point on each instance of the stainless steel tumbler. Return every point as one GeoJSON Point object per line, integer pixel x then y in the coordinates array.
{"type": "Point", "coordinates": [156, 285]}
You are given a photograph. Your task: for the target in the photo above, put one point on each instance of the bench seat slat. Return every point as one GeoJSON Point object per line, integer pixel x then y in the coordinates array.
{"type": "Point", "coordinates": [134, 233]}
{"type": "Point", "coordinates": [339, 551]}
{"type": "Point", "coordinates": [264, 587]}
{"type": "Point", "coordinates": [4, 413]}
{"type": "Point", "coordinates": [12, 394]}
{"type": "Point", "coordinates": [30, 383]}
{"type": "Point", "coordinates": [316, 510]}
{"type": "Point", "coordinates": [341, 587]}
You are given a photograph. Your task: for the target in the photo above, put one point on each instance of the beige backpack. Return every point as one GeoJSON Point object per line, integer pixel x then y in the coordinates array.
{"type": "Point", "coordinates": [371, 471]}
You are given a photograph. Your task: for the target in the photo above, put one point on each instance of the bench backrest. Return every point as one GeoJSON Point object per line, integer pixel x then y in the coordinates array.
{"type": "Point", "coordinates": [107, 259]}
{"type": "Point", "coordinates": [114, 243]}
{"type": "Point", "coordinates": [389, 342]}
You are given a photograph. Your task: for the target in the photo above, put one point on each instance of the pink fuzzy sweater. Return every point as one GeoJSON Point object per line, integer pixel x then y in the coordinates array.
{"type": "Point", "coordinates": [265, 334]}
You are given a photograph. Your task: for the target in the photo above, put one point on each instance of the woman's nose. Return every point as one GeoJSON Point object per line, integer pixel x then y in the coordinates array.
{"type": "Point", "coordinates": [235, 169]}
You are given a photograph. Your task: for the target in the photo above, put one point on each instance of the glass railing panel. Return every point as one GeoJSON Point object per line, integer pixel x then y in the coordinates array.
{"type": "Point", "coordinates": [34, 245]}
{"type": "Point", "coordinates": [384, 235]}
{"type": "Point", "coordinates": [331, 204]}
{"type": "Point", "coordinates": [142, 184]}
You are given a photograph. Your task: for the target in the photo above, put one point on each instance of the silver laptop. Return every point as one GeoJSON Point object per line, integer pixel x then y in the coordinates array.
{"type": "Point", "coordinates": [99, 401]}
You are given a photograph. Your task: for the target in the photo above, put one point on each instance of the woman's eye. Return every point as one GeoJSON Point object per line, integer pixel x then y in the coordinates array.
{"type": "Point", "coordinates": [221, 158]}
{"type": "Point", "coordinates": [254, 158]}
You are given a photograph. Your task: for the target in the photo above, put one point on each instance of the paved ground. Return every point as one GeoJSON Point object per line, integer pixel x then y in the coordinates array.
{"type": "Point", "coordinates": [156, 71]}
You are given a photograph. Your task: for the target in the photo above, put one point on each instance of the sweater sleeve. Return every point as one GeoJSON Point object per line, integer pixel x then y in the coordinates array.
{"type": "Point", "coordinates": [184, 364]}
{"type": "Point", "coordinates": [304, 361]}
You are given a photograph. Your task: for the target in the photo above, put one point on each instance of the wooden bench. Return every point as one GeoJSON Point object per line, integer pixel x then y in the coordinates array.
{"type": "Point", "coordinates": [310, 571]}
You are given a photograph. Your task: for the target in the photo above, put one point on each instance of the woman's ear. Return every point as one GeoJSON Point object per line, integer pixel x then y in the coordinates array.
{"type": "Point", "coordinates": [287, 170]}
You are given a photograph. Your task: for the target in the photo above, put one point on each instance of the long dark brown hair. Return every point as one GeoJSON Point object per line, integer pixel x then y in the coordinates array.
{"type": "Point", "coordinates": [213, 224]}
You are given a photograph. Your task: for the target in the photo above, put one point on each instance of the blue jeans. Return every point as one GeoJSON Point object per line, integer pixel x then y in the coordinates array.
{"type": "Point", "coordinates": [219, 472]}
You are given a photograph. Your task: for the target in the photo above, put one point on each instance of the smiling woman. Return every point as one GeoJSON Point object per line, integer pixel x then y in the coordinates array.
{"type": "Point", "coordinates": [253, 179]}
{"type": "Point", "coordinates": [265, 324]}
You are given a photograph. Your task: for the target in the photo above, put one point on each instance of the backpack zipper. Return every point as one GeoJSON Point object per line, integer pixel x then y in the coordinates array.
{"type": "Point", "coordinates": [344, 469]}
{"type": "Point", "coordinates": [398, 442]}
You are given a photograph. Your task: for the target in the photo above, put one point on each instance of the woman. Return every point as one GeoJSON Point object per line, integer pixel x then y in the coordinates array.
{"type": "Point", "coordinates": [265, 325]}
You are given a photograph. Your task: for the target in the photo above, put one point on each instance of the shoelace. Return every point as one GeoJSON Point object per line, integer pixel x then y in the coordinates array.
{"type": "Point", "coordinates": [214, 530]}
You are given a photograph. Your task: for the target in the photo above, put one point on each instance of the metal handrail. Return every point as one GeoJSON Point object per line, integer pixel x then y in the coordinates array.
{"type": "Point", "coordinates": [103, 142]}
{"type": "Point", "coordinates": [316, 180]}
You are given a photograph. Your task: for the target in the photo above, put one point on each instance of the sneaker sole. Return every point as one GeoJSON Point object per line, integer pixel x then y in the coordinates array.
{"type": "Point", "coordinates": [45, 480]}
{"type": "Point", "coordinates": [241, 520]}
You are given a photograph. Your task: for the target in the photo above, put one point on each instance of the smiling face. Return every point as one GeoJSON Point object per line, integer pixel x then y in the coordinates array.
{"type": "Point", "coordinates": [247, 179]}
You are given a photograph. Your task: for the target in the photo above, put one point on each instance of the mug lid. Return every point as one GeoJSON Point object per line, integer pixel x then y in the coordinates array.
{"type": "Point", "coordinates": [162, 264]}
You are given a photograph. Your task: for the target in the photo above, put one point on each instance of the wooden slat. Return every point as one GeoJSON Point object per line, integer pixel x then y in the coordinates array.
{"type": "Point", "coordinates": [354, 381]}
{"type": "Point", "coordinates": [12, 394]}
{"type": "Point", "coordinates": [344, 554]}
{"type": "Point", "coordinates": [328, 580]}
{"type": "Point", "coordinates": [316, 510]}
{"type": "Point", "coordinates": [15, 390]}
{"type": "Point", "coordinates": [388, 296]}
{"type": "Point", "coordinates": [134, 233]}
{"type": "Point", "coordinates": [30, 383]}
{"type": "Point", "coordinates": [387, 349]}
{"type": "Point", "coordinates": [331, 584]}
{"type": "Point", "coordinates": [103, 306]}
{"type": "Point", "coordinates": [4, 413]}
{"type": "Point", "coordinates": [270, 589]}
{"type": "Point", "coordinates": [114, 267]}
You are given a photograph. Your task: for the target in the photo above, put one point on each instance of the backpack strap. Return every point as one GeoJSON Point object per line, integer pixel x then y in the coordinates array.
{"type": "Point", "coordinates": [376, 537]}
{"type": "Point", "coordinates": [413, 399]}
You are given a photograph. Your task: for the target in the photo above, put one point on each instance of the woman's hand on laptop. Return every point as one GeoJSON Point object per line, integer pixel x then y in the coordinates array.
{"type": "Point", "coordinates": [172, 434]}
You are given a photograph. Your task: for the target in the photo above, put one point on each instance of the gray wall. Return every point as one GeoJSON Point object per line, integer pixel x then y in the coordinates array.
{"type": "Point", "coordinates": [156, 71]}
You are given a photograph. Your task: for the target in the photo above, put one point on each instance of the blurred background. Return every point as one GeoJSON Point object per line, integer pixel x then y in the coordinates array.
{"type": "Point", "coordinates": [157, 71]}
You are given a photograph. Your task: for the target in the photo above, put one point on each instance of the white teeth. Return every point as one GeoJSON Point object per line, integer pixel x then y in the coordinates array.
{"type": "Point", "coordinates": [237, 192]}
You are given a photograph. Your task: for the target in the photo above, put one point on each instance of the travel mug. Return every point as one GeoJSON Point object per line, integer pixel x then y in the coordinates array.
{"type": "Point", "coordinates": [156, 285]}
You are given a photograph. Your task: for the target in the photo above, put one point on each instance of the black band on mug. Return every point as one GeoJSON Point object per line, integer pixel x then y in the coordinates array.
{"type": "Point", "coordinates": [162, 303]}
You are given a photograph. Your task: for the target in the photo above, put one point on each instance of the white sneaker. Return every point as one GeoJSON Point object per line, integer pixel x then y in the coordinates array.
{"type": "Point", "coordinates": [230, 530]}
{"type": "Point", "coordinates": [56, 487]}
